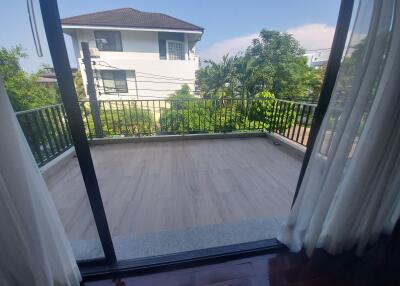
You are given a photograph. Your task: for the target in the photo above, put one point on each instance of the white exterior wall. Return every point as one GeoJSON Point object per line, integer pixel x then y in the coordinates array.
{"type": "Point", "coordinates": [318, 58]}
{"type": "Point", "coordinates": [141, 54]}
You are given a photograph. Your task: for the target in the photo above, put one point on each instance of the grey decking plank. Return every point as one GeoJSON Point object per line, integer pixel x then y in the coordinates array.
{"type": "Point", "coordinates": [156, 186]}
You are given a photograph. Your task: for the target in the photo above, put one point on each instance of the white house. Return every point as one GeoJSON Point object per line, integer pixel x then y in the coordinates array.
{"type": "Point", "coordinates": [317, 58]}
{"type": "Point", "coordinates": [136, 55]}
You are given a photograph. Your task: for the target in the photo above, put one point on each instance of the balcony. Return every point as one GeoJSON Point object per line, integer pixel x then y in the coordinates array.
{"type": "Point", "coordinates": [174, 175]}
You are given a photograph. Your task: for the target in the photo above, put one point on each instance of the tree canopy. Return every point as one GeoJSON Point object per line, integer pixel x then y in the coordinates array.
{"type": "Point", "coordinates": [23, 88]}
{"type": "Point", "coordinates": [274, 62]}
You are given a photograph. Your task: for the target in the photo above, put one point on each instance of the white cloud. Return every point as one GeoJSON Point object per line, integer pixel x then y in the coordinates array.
{"type": "Point", "coordinates": [310, 36]}
{"type": "Point", "coordinates": [313, 36]}
{"type": "Point", "coordinates": [231, 46]}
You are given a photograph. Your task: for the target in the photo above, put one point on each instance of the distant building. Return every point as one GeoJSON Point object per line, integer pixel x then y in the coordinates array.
{"type": "Point", "coordinates": [317, 58]}
{"type": "Point", "coordinates": [47, 76]}
{"type": "Point", "coordinates": [136, 55]}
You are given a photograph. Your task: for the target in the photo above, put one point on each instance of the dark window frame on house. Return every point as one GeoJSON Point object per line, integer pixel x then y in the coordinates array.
{"type": "Point", "coordinates": [168, 37]}
{"type": "Point", "coordinates": [118, 78]}
{"type": "Point", "coordinates": [178, 54]}
{"type": "Point", "coordinates": [108, 47]}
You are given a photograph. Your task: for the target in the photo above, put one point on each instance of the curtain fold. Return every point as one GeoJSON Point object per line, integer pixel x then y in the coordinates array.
{"type": "Point", "coordinates": [350, 193]}
{"type": "Point", "coordinates": [34, 247]}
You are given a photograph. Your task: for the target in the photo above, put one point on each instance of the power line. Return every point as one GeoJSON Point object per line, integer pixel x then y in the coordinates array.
{"type": "Point", "coordinates": [143, 73]}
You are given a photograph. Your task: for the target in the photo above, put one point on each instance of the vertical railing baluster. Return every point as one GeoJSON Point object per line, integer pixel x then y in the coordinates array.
{"type": "Point", "coordinates": [149, 116]}
{"type": "Point", "coordinates": [241, 113]}
{"type": "Point", "coordinates": [280, 117]}
{"type": "Point", "coordinates": [46, 132]}
{"type": "Point", "coordinates": [64, 114]}
{"type": "Point", "coordinates": [271, 120]}
{"type": "Point", "coordinates": [247, 119]}
{"type": "Point", "coordinates": [303, 107]}
{"type": "Point", "coordinates": [263, 107]}
{"type": "Point", "coordinates": [125, 122]}
{"type": "Point", "coordinates": [118, 117]}
{"type": "Point", "coordinates": [198, 108]}
{"type": "Point", "coordinates": [137, 120]}
{"type": "Point", "coordinates": [235, 103]}
{"type": "Point", "coordinates": [166, 117]}
{"type": "Point", "coordinates": [32, 135]}
{"type": "Point", "coordinates": [161, 118]}
{"type": "Point", "coordinates": [287, 110]}
{"type": "Point", "coordinates": [63, 122]}
{"type": "Point", "coordinates": [295, 120]}
{"type": "Point", "coordinates": [250, 102]}
{"type": "Point", "coordinates": [112, 119]}
{"type": "Point", "coordinates": [254, 121]}
{"type": "Point", "coordinates": [106, 117]}
{"type": "Point", "coordinates": [130, 118]}
{"type": "Point", "coordinates": [51, 131]}
{"type": "Point", "coordinates": [87, 120]}
{"type": "Point", "coordinates": [154, 118]}
{"type": "Point", "coordinates": [52, 111]}
{"type": "Point", "coordinates": [225, 102]}
{"type": "Point", "coordinates": [305, 126]}
{"type": "Point", "coordinates": [142, 112]}
{"type": "Point", "coordinates": [230, 116]}
{"type": "Point", "coordinates": [188, 117]}
{"type": "Point", "coordinates": [59, 136]}
{"type": "Point", "coordinates": [40, 132]}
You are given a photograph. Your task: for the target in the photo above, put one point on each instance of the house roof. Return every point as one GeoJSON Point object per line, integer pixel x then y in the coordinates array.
{"type": "Point", "coordinates": [130, 18]}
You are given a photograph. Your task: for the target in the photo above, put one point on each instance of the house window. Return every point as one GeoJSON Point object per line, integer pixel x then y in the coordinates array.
{"type": "Point", "coordinates": [108, 40]}
{"type": "Point", "coordinates": [114, 81]}
{"type": "Point", "coordinates": [176, 50]}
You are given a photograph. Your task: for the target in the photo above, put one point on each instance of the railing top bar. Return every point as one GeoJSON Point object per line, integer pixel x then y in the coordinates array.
{"type": "Point", "coordinates": [176, 99]}
{"type": "Point", "coordinates": [297, 102]}
{"type": "Point", "coordinates": [37, 109]}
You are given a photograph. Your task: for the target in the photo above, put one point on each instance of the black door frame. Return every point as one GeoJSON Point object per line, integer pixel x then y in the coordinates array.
{"type": "Point", "coordinates": [109, 266]}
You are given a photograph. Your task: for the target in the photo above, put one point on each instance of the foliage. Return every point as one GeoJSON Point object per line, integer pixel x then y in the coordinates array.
{"type": "Point", "coordinates": [273, 62]}
{"type": "Point", "coordinates": [261, 111]}
{"type": "Point", "coordinates": [185, 114]}
{"type": "Point", "coordinates": [315, 81]}
{"type": "Point", "coordinates": [217, 80]}
{"type": "Point", "coordinates": [118, 119]}
{"type": "Point", "coordinates": [23, 89]}
{"type": "Point", "coordinates": [78, 82]}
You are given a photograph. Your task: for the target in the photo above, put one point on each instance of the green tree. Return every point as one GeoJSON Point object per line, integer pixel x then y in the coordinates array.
{"type": "Point", "coordinates": [23, 88]}
{"type": "Point", "coordinates": [283, 57]}
{"type": "Point", "coordinates": [273, 62]}
{"type": "Point", "coordinates": [78, 82]}
{"type": "Point", "coordinates": [315, 80]}
{"type": "Point", "coordinates": [217, 80]}
{"type": "Point", "coordinates": [185, 114]}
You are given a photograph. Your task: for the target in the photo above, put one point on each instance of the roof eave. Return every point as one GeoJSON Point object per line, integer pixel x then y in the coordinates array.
{"type": "Point", "coordinates": [152, 29]}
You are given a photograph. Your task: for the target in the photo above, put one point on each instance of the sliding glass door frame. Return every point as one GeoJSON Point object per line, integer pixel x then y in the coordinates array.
{"type": "Point", "coordinates": [109, 266]}
{"type": "Point", "coordinates": [62, 68]}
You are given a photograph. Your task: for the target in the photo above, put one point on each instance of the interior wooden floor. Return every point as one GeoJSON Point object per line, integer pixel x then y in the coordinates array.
{"type": "Point", "coordinates": [379, 265]}
{"type": "Point", "coordinates": [156, 186]}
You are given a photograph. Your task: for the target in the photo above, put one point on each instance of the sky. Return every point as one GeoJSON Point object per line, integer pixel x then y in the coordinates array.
{"type": "Point", "coordinates": [229, 25]}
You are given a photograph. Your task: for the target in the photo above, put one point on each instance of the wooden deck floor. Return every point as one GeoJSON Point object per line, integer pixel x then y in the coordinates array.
{"type": "Point", "coordinates": [151, 187]}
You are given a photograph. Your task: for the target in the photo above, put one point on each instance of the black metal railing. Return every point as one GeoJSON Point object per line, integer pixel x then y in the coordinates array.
{"type": "Point", "coordinates": [178, 116]}
{"type": "Point", "coordinates": [46, 130]}
{"type": "Point", "coordinates": [300, 116]}
{"type": "Point", "coordinates": [136, 118]}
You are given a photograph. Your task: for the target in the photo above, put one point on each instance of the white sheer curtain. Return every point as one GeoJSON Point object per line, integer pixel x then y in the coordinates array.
{"type": "Point", "coordinates": [351, 190]}
{"type": "Point", "coordinates": [34, 249]}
